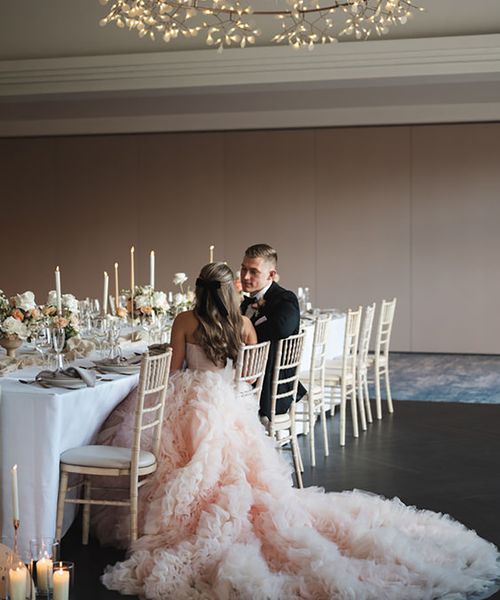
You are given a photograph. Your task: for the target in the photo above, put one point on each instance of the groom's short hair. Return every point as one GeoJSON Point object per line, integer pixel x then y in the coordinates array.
{"type": "Point", "coordinates": [264, 251]}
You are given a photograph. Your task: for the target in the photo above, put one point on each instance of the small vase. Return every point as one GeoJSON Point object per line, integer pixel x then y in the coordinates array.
{"type": "Point", "coordinates": [11, 344]}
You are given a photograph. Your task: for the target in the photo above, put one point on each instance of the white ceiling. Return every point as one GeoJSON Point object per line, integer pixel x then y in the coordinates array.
{"type": "Point", "coordinates": [57, 28]}
{"type": "Point", "coordinates": [61, 73]}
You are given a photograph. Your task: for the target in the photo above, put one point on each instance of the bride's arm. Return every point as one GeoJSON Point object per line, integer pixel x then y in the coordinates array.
{"type": "Point", "coordinates": [178, 343]}
{"type": "Point", "coordinates": [249, 334]}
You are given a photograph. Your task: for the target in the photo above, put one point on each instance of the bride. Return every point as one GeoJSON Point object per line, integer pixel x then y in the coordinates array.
{"type": "Point", "coordinates": [221, 519]}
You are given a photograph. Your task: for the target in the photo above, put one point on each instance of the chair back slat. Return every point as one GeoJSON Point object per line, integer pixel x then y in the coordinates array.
{"type": "Point", "coordinates": [351, 339]}
{"type": "Point", "coordinates": [153, 379]}
{"type": "Point", "coordinates": [288, 357]}
{"type": "Point", "coordinates": [251, 369]}
{"type": "Point", "coordinates": [318, 354]}
{"type": "Point", "coordinates": [365, 335]}
{"type": "Point", "coordinates": [384, 330]}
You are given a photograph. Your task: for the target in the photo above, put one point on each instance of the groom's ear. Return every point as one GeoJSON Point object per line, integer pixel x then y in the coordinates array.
{"type": "Point", "coordinates": [272, 274]}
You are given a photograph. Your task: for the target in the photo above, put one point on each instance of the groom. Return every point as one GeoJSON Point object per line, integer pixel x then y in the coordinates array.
{"type": "Point", "coordinates": [273, 311]}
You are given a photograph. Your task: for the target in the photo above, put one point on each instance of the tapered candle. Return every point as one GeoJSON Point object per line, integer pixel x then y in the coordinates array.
{"type": "Point", "coordinates": [61, 584]}
{"type": "Point", "coordinates": [105, 294]}
{"type": "Point", "coordinates": [211, 253]}
{"type": "Point", "coordinates": [15, 495]}
{"type": "Point", "coordinates": [117, 288]}
{"type": "Point", "coordinates": [58, 291]}
{"type": "Point", "coordinates": [132, 281]}
{"type": "Point", "coordinates": [152, 269]}
{"type": "Point", "coordinates": [17, 583]}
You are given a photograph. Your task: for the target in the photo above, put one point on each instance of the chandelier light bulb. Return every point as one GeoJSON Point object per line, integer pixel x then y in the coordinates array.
{"type": "Point", "coordinates": [304, 23]}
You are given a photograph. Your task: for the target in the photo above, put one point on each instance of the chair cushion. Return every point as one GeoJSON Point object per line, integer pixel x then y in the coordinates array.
{"type": "Point", "coordinates": [107, 457]}
{"type": "Point", "coordinates": [282, 420]}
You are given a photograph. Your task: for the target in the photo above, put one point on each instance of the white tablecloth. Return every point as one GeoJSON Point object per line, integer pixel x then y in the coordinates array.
{"type": "Point", "coordinates": [36, 425]}
{"type": "Point", "coordinates": [335, 340]}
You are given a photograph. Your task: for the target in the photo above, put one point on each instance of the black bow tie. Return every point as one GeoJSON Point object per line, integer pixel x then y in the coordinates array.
{"type": "Point", "coordinates": [247, 301]}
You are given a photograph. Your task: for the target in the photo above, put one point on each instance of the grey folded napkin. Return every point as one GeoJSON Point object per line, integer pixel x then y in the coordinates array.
{"type": "Point", "coordinates": [156, 349]}
{"type": "Point", "coordinates": [71, 373]}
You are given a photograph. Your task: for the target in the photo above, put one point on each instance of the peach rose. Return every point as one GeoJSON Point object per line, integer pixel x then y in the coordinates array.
{"type": "Point", "coordinates": [17, 314]}
{"type": "Point", "coordinates": [60, 322]}
{"type": "Point", "coordinates": [121, 312]}
{"type": "Point", "coordinates": [34, 313]}
{"type": "Point", "coordinates": [48, 311]}
{"type": "Point", "coordinates": [146, 310]}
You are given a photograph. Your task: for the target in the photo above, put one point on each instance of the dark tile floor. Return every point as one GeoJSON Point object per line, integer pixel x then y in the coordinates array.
{"type": "Point", "coordinates": [445, 457]}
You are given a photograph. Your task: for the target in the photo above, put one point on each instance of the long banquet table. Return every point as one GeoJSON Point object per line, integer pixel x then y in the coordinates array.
{"type": "Point", "coordinates": [37, 424]}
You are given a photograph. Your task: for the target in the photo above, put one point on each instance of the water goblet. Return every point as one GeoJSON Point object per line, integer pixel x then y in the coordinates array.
{"type": "Point", "coordinates": [58, 341]}
{"type": "Point", "coordinates": [100, 331]}
{"type": "Point", "coordinates": [42, 340]}
{"type": "Point", "coordinates": [114, 330]}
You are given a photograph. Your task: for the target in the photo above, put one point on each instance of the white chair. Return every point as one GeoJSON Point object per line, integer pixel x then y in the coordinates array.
{"type": "Point", "coordinates": [112, 461]}
{"type": "Point", "coordinates": [282, 427]}
{"type": "Point", "coordinates": [251, 369]}
{"type": "Point", "coordinates": [362, 366]}
{"type": "Point", "coordinates": [379, 360]}
{"type": "Point", "coordinates": [312, 404]}
{"type": "Point", "coordinates": [340, 373]}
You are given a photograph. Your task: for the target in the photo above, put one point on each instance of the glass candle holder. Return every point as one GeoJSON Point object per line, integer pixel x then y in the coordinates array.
{"type": "Point", "coordinates": [63, 574]}
{"type": "Point", "coordinates": [43, 553]}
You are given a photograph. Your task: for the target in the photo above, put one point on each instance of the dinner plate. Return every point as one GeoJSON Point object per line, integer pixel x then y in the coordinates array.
{"type": "Point", "coordinates": [125, 369]}
{"type": "Point", "coordinates": [64, 383]}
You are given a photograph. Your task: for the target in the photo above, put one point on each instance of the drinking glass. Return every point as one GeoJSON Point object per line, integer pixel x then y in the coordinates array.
{"type": "Point", "coordinates": [148, 323]}
{"type": "Point", "coordinates": [58, 340]}
{"type": "Point", "coordinates": [94, 308]}
{"type": "Point", "coordinates": [42, 340]}
{"type": "Point", "coordinates": [100, 331]}
{"type": "Point", "coordinates": [114, 330]}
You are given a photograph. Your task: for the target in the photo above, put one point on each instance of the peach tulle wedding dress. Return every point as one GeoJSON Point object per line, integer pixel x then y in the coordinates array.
{"type": "Point", "coordinates": [221, 519]}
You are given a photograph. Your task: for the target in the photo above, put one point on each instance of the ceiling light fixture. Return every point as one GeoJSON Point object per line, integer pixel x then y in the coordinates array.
{"type": "Point", "coordinates": [225, 23]}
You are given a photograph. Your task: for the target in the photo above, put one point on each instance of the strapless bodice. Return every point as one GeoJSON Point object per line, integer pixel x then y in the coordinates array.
{"type": "Point", "coordinates": [197, 360]}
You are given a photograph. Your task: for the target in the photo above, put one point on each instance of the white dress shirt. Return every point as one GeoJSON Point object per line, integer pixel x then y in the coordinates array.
{"type": "Point", "coordinates": [258, 296]}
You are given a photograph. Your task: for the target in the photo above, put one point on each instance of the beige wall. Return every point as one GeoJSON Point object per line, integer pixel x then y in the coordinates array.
{"type": "Point", "coordinates": [357, 214]}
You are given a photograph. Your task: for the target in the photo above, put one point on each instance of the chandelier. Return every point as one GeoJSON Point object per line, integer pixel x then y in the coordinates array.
{"type": "Point", "coordinates": [224, 23]}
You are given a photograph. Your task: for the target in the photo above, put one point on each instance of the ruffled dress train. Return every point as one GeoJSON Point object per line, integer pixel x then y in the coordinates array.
{"type": "Point", "coordinates": [222, 520]}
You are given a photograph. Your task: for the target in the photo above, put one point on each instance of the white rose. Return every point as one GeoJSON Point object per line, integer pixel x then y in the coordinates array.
{"type": "Point", "coordinates": [69, 302]}
{"type": "Point", "coordinates": [52, 298]}
{"type": "Point", "coordinates": [179, 299]}
{"type": "Point", "coordinates": [12, 326]}
{"type": "Point", "coordinates": [142, 300]}
{"type": "Point", "coordinates": [160, 300]}
{"type": "Point", "coordinates": [25, 301]}
{"type": "Point", "coordinates": [180, 278]}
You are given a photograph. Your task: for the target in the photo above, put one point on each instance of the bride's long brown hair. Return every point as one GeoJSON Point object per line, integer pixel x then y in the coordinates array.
{"type": "Point", "coordinates": [220, 324]}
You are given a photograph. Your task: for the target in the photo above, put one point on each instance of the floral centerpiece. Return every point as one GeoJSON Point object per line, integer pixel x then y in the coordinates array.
{"type": "Point", "coordinates": [68, 319]}
{"type": "Point", "coordinates": [147, 302]}
{"type": "Point", "coordinates": [19, 316]}
{"type": "Point", "coordinates": [183, 300]}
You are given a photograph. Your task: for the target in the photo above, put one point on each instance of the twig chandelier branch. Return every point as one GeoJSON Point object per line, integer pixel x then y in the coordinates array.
{"type": "Point", "coordinates": [229, 22]}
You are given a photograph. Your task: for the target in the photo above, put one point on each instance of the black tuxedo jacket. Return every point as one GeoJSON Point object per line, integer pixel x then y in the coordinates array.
{"type": "Point", "coordinates": [277, 318]}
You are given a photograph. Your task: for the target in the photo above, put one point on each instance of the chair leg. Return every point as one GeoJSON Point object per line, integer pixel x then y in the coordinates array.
{"type": "Point", "coordinates": [63, 488]}
{"type": "Point", "coordinates": [378, 399]}
{"type": "Point", "coordinates": [297, 460]}
{"type": "Point", "coordinates": [312, 440]}
{"type": "Point", "coordinates": [367, 401]}
{"type": "Point", "coordinates": [343, 401]}
{"type": "Point", "coordinates": [361, 405]}
{"type": "Point", "coordinates": [354, 411]}
{"type": "Point", "coordinates": [133, 512]}
{"type": "Point", "coordinates": [390, 407]}
{"type": "Point", "coordinates": [323, 423]}
{"type": "Point", "coordinates": [86, 511]}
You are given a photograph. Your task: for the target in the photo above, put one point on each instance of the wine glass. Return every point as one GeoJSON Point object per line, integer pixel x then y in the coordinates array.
{"type": "Point", "coordinates": [100, 331]}
{"type": "Point", "coordinates": [58, 340]}
{"type": "Point", "coordinates": [94, 308]}
{"type": "Point", "coordinates": [42, 340]}
{"type": "Point", "coordinates": [114, 330]}
{"type": "Point", "coordinates": [148, 323]}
